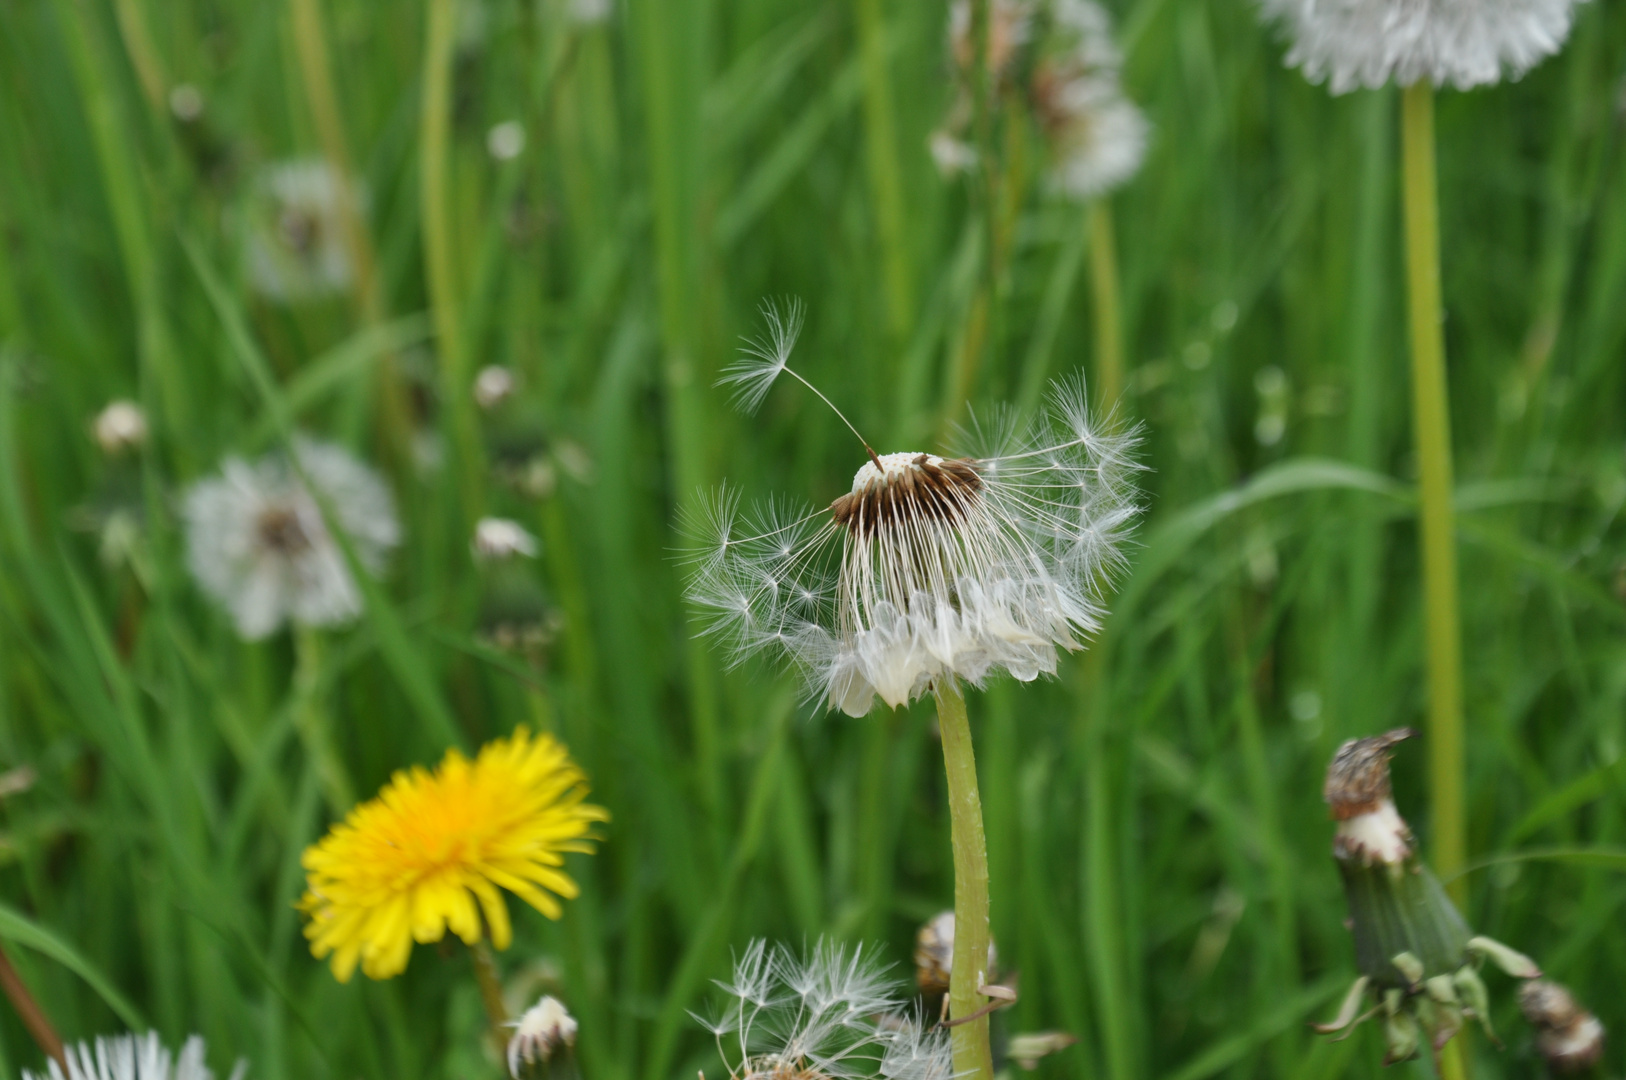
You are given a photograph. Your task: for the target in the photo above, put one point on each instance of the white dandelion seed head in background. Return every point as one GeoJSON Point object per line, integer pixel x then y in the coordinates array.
{"type": "Point", "coordinates": [1351, 44]}
{"type": "Point", "coordinates": [492, 386]}
{"type": "Point", "coordinates": [1010, 26]}
{"type": "Point", "coordinates": [499, 539]}
{"type": "Point", "coordinates": [544, 1027]}
{"type": "Point", "coordinates": [1097, 135]}
{"type": "Point", "coordinates": [833, 1013]}
{"type": "Point", "coordinates": [119, 427]}
{"type": "Point", "coordinates": [931, 567]}
{"type": "Point", "coordinates": [591, 12]}
{"type": "Point", "coordinates": [295, 244]}
{"type": "Point", "coordinates": [257, 542]}
{"type": "Point", "coordinates": [134, 1057]}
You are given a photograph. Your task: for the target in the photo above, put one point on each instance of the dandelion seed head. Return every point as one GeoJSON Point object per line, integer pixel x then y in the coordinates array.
{"type": "Point", "coordinates": [493, 386]}
{"type": "Point", "coordinates": [133, 1057]}
{"type": "Point", "coordinates": [120, 427]}
{"type": "Point", "coordinates": [258, 544]}
{"type": "Point", "coordinates": [1351, 44]}
{"type": "Point", "coordinates": [295, 244]}
{"type": "Point", "coordinates": [499, 539]}
{"type": "Point", "coordinates": [542, 1029]}
{"type": "Point", "coordinates": [931, 566]}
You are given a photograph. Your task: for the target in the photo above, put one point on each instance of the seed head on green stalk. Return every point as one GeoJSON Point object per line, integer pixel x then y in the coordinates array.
{"type": "Point", "coordinates": [932, 566]}
{"type": "Point", "coordinates": [1418, 960]}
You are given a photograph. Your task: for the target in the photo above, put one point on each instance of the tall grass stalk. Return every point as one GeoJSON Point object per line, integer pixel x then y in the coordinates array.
{"type": "Point", "coordinates": [973, 1058]}
{"type": "Point", "coordinates": [1431, 422]}
{"type": "Point", "coordinates": [1109, 344]}
{"type": "Point", "coordinates": [881, 152]}
{"type": "Point", "coordinates": [435, 164]}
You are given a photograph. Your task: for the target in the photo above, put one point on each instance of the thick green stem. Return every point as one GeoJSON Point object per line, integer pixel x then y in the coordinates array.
{"type": "Point", "coordinates": [485, 973]}
{"type": "Point", "coordinates": [973, 1059]}
{"type": "Point", "coordinates": [1109, 343]}
{"type": "Point", "coordinates": [1432, 431]}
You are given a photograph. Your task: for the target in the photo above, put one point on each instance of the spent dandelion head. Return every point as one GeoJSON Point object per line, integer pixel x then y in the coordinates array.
{"type": "Point", "coordinates": [134, 1057]}
{"type": "Point", "coordinates": [1097, 136]}
{"type": "Point", "coordinates": [1351, 44]}
{"type": "Point", "coordinates": [258, 543]}
{"type": "Point", "coordinates": [433, 851]}
{"type": "Point", "coordinates": [295, 245]}
{"type": "Point", "coordinates": [931, 566]}
{"type": "Point", "coordinates": [499, 539]}
{"type": "Point", "coordinates": [120, 427]}
{"type": "Point", "coordinates": [542, 1029]}
{"type": "Point", "coordinates": [833, 1014]}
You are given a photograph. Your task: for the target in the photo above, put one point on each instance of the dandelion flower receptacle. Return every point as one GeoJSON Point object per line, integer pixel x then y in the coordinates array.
{"type": "Point", "coordinates": [932, 567]}
{"type": "Point", "coordinates": [434, 851]}
{"type": "Point", "coordinates": [1416, 956]}
{"type": "Point", "coordinates": [258, 543]}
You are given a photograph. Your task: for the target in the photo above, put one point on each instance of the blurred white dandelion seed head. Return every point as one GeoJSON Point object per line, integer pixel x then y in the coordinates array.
{"type": "Point", "coordinates": [499, 539]}
{"type": "Point", "coordinates": [545, 1026]}
{"type": "Point", "coordinates": [295, 245]}
{"type": "Point", "coordinates": [590, 12]}
{"type": "Point", "coordinates": [831, 1015]}
{"type": "Point", "coordinates": [1098, 136]}
{"type": "Point", "coordinates": [1461, 43]}
{"type": "Point", "coordinates": [493, 386]}
{"type": "Point", "coordinates": [934, 955]}
{"type": "Point", "coordinates": [951, 155]}
{"type": "Point", "coordinates": [134, 1057]}
{"type": "Point", "coordinates": [186, 102]}
{"type": "Point", "coordinates": [257, 542]}
{"type": "Point", "coordinates": [1010, 26]}
{"type": "Point", "coordinates": [931, 567]}
{"type": "Point", "coordinates": [506, 141]}
{"type": "Point", "coordinates": [119, 427]}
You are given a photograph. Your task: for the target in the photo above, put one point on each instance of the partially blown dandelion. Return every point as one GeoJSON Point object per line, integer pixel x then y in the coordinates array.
{"type": "Point", "coordinates": [932, 566]}
{"type": "Point", "coordinates": [257, 541]}
{"type": "Point", "coordinates": [1097, 135]}
{"type": "Point", "coordinates": [134, 1057]}
{"type": "Point", "coordinates": [434, 849]}
{"type": "Point", "coordinates": [1461, 43]}
{"type": "Point", "coordinates": [834, 1015]}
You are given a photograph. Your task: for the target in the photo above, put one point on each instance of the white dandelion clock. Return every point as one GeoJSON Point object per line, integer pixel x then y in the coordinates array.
{"type": "Point", "coordinates": [1461, 43]}
{"type": "Point", "coordinates": [258, 544]}
{"type": "Point", "coordinates": [544, 1027]}
{"type": "Point", "coordinates": [134, 1057]}
{"type": "Point", "coordinates": [831, 1015]}
{"type": "Point", "coordinates": [1098, 136]}
{"type": "Point", "coordinates": [932, 566]}
{"type": "Point", "coordinates": [295, 245]}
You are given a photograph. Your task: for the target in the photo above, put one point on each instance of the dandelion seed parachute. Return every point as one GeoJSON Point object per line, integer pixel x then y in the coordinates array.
{"type": "Point", "coordinates": [833, 1014]}
{"type": "Point", "coordinates": [1462, 43]}
{"type": "Point", "coordinates": [930, 567]}
{"type": "Point", "coordinates": [258, 544]}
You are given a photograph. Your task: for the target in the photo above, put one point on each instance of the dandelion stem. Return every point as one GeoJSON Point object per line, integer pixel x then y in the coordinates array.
{"type": "Point", "coordinates": [312, 723]}
{"type": "Point", "coordinates": [1109, 345]}
{"type": "Point", "coordinates": [30, 1013]}
{"type": "Point", "coordinates": [1431, 423]}
{"type": "Point", "coordinates": [972, 1057]}
{"type": "Point", "coordinates": [485, 973]}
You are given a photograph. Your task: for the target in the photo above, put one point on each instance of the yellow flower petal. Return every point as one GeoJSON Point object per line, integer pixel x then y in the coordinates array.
{"type": "Point", "coordinates": [433, 851]}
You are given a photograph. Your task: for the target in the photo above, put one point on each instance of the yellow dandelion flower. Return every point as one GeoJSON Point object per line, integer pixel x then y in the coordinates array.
{"type": "Point", "coordinates": [432, 850]}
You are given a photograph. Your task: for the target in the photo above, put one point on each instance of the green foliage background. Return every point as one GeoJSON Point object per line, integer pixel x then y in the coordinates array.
{"type": "Point", "coordinates": [1159, 848]}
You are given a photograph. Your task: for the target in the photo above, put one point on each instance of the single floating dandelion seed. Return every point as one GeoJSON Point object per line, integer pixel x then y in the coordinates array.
{"type": "Point", "coordinates": [1462, 43]}
{"type": "Point", "coordinates": [258, 544]}
{"type": "Point", "coordinates": [930, 567]}
{"type": "Point", "coordinates": [831, 1015]}
{"type": "Point", "coordinates": [433, 850]}
{"type": "Point", "coordinates": [295, 244]}
{"type": "Point", "coordinates": [134, 1057]}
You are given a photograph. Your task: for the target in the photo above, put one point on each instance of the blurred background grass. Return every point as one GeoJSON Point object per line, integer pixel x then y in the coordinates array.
{"type": "Point", "coordinates": [1157, 840]}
